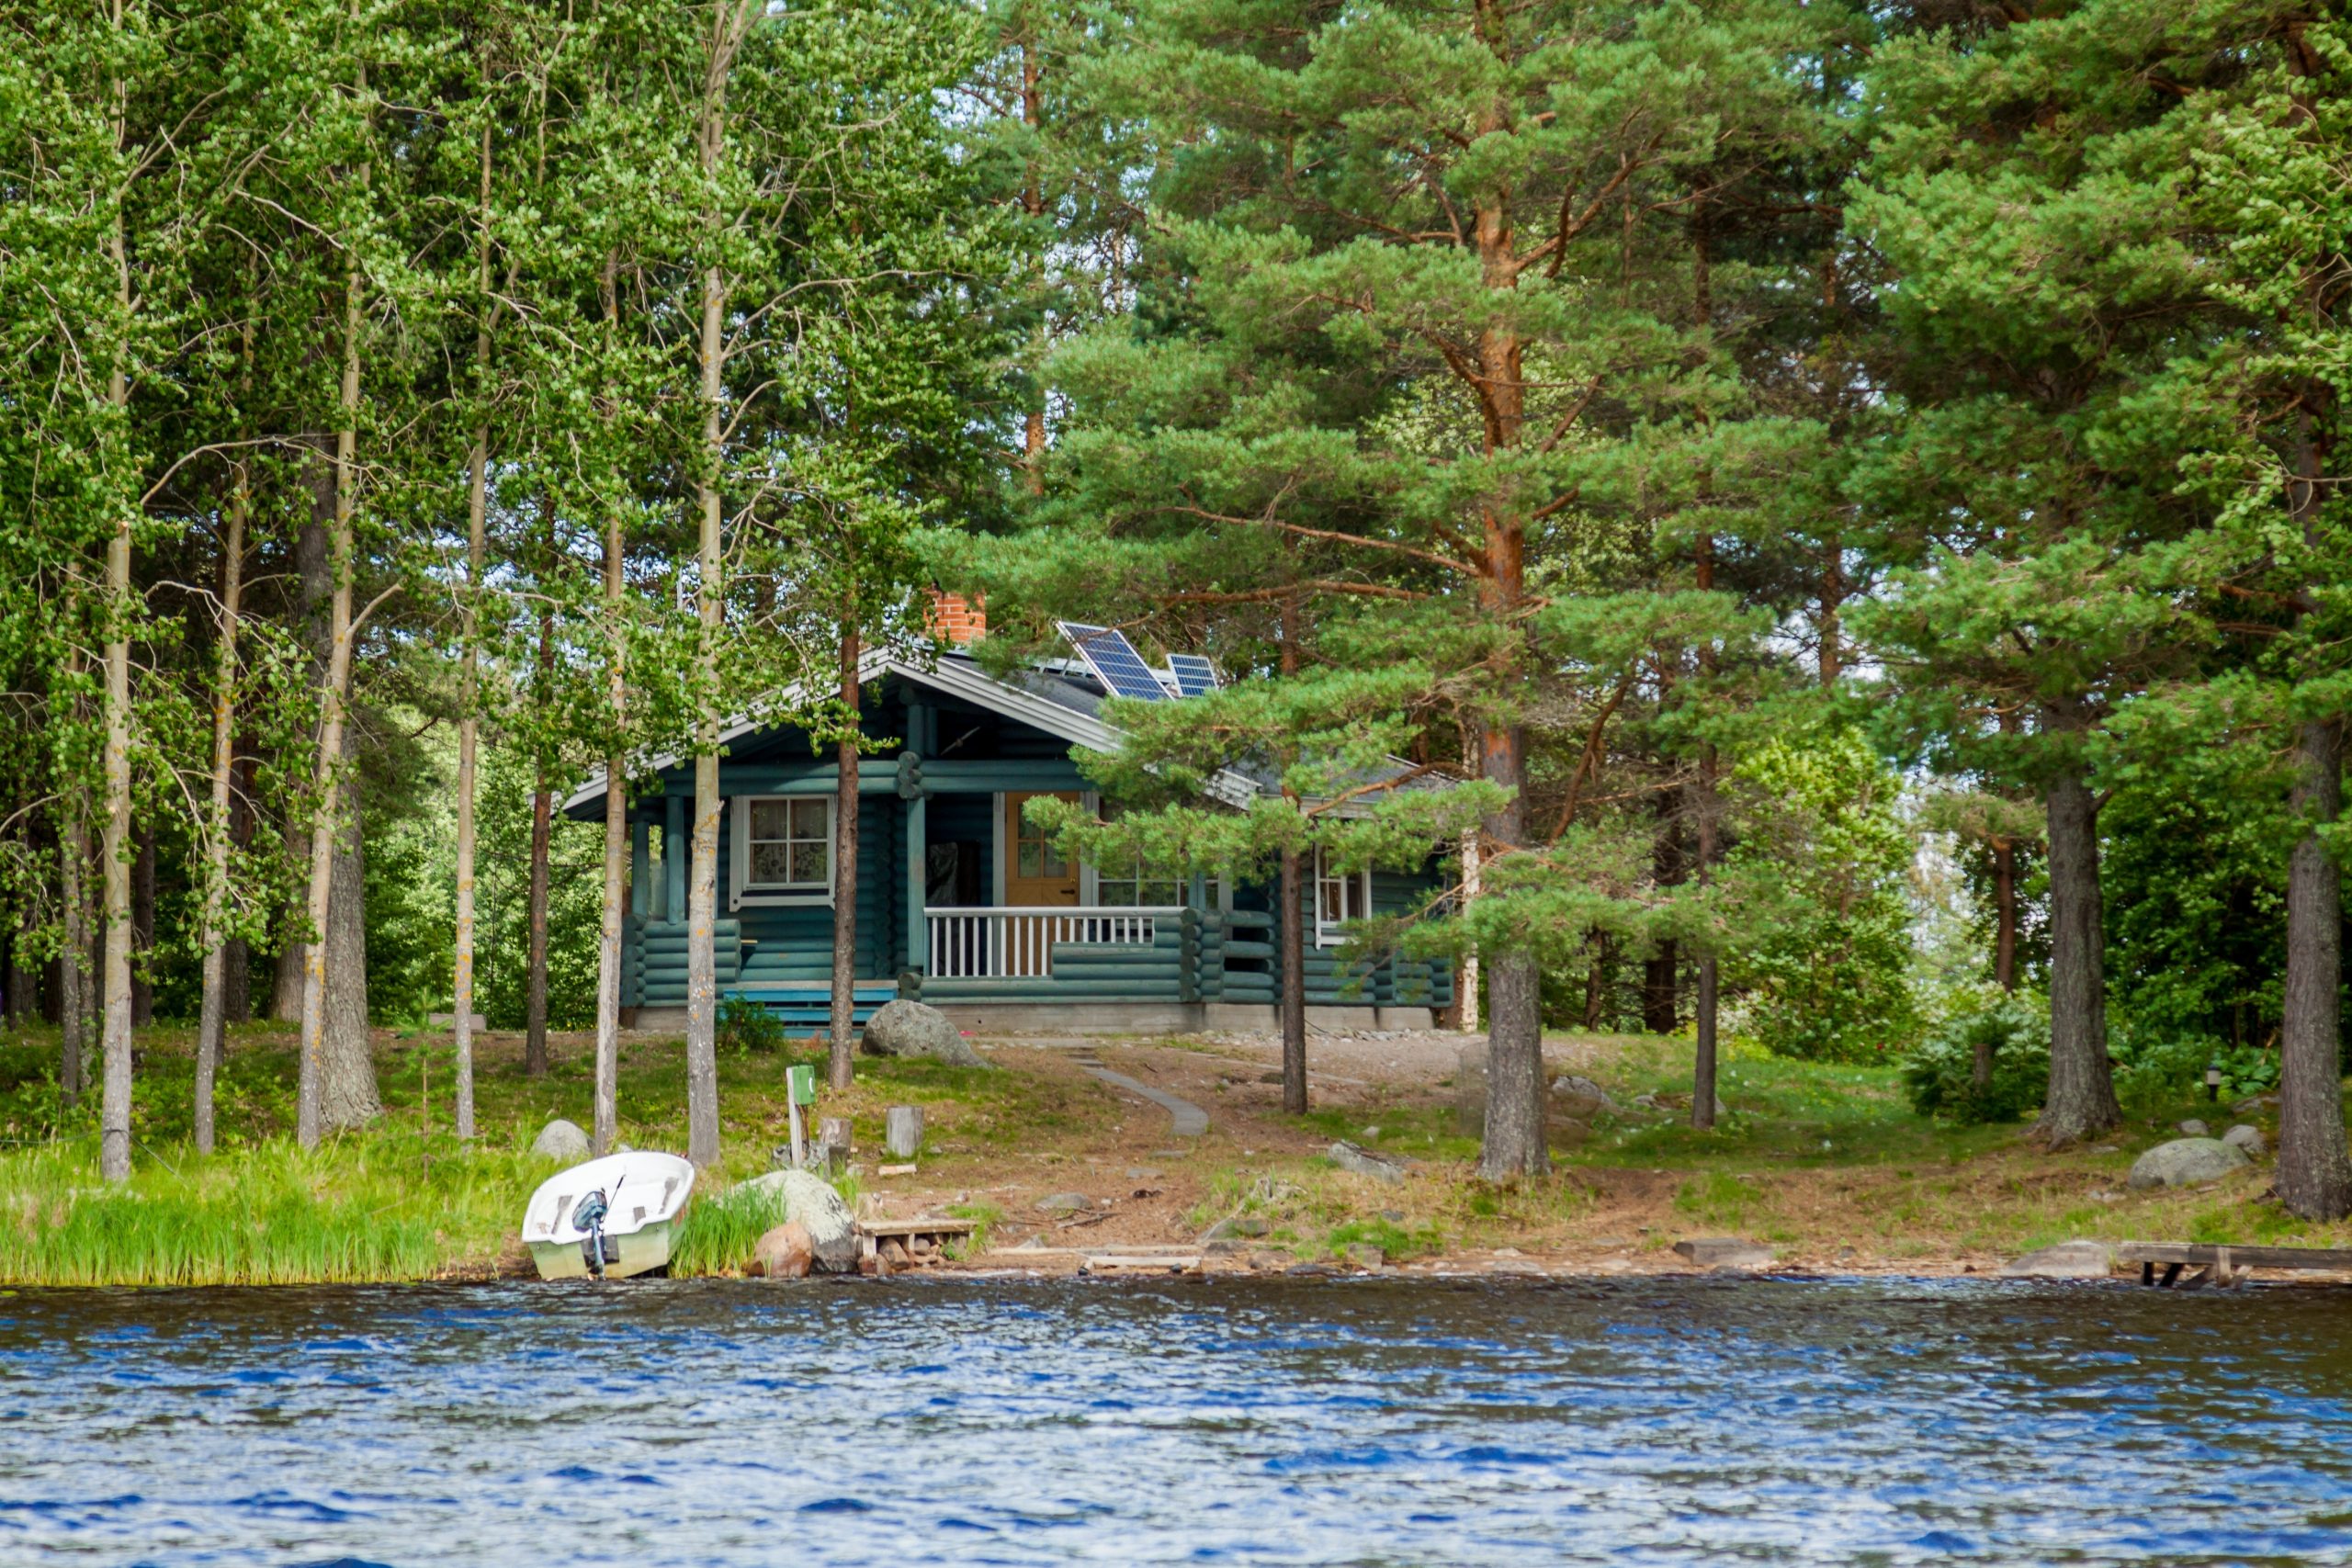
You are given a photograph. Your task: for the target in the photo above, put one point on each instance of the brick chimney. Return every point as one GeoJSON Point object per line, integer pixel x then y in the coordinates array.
{"type": "Point", "coordinates": [955, 619]}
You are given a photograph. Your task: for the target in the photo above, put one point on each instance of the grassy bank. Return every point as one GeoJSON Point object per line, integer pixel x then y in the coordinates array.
{"type": "Point", "coordinates": [1828, 1164]}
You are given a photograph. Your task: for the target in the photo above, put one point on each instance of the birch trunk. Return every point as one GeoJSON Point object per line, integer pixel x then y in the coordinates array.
{"type": "Point", "coordinates": [114, 1110]}
{"type": "Point", "coordinates": [461, 1027]}
{"type": "Point", "coordinates": [732, 21]}
{"type": "Point", "coordinates": [616, 909]}
{"type": "Point", "coordinates": [73, 959]}
{"type": "Point", "coordinates": [213, 1018]}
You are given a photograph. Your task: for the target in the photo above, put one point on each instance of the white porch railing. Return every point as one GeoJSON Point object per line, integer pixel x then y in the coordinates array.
{"type": "Point", "coordinates": [1016, 943]}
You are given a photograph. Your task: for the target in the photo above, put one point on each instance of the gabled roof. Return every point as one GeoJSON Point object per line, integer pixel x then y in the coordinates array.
{"type": "Point", "coordinates": [1043, 699]}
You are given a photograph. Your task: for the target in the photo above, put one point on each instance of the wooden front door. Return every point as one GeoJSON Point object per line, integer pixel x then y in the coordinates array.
{"type": "Point", "coordinates": [1035, 871]}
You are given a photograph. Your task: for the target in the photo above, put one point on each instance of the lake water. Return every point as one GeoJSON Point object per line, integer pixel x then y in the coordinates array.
{"type": "Point", "coordinates": [1237, 1420]}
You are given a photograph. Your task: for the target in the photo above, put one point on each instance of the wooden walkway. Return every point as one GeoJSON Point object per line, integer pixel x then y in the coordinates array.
{"type": "Point", "coordinates": [2222, 1266]}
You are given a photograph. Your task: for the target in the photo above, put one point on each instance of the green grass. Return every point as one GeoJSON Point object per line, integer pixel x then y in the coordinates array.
{"type": "Point", "coordinates": [356, 1209]}
{"type": "Point", "coordinates": [721, 1229]}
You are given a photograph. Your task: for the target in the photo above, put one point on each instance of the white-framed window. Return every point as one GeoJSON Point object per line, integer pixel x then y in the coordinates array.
{"type": "Point", "coordinates": [783, 849]}
{"type": "Point", "coordinates": [1339, 896]}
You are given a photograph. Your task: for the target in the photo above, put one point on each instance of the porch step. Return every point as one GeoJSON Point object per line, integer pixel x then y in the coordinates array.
{"type": "Point", "coordinates": [813, 1005]}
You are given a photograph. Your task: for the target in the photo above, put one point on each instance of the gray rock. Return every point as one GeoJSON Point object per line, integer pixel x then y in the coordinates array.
{"type": "Point", "coordinates": [2067, 1260]}
{"type": "Point", "coordinates": [1723, 1252]}
{"type": "Point", "coordinates": [1580, 1096]}
{"type": "Point", "coordinates": [1066, 1203]}
{"type": "Point", "coordinates": [811, 1202]}
{"type": "Point", "coordinates": [1363, 1162]}
{"type": "Point", "coordinates": [1363, 1255]}
{"type": "Point", "coordinates": [562, 1140]}
{"type": "Point", "coordinates": [910, 1029]}
{"type": "Point", "coordinates": [2247, 1139]}
{"type": "Point", "coordinates": [2186, 1162]}
{"type": "Point", "coordinates": [1237, 1225]}
{"type": "Point", "coordinates": [2193, 1128]}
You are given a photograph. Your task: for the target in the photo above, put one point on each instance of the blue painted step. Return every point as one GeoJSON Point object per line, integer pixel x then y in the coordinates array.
{"type": "Point", "coordinates": [813, 1005]}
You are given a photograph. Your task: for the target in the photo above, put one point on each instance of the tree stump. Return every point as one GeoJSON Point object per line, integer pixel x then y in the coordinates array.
{"type": "Point", "coordinates": [902, 1133]}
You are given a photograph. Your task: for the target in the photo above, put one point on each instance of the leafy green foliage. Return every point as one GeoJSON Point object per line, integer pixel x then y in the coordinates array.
{"type": "Point", "coordinates": [1940, 1073]}
{"type": "Point", "coordinates": [1816, 878]}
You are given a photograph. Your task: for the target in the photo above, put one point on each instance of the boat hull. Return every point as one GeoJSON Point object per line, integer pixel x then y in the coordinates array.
{"type": "Point", "coordinates": [639, 1252]}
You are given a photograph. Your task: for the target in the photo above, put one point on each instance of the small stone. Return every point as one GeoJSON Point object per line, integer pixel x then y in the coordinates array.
{"type": "Point", "coordinates": [1142, 1173]}
{"type": "Point", "coordinates": [1370, 1134]}
{"type": "Point", "coordinates": [2186, 1162]}
{"type": "Point", "coordinates": [785, 1252]}
{"type": "Point", "coordinates": [562, 1140]}
{"type": "Point", "coordinates": [1065, 1203]}
{"type": "Point", "coordinates": [2193, 1128]}
{"type": "Point", "coordinates": [1363, 1162]}
{"type": "Point", "coordinates": [1363, 1255]}
{"type": "Point", "coordinates": [1723, 1252]}
{"type": "Point", "coordinates": [2066, 1260]}
{"type": "Point", "coordinates": [2246, 1139]}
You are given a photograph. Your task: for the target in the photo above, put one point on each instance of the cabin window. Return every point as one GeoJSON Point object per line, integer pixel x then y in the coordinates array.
{"type": "Point", "coordinates": [1132, 885]}
{"type": "Point", "coordinates": [1339, 896]}
{"type": "Point", "coordinates": [788, 843]}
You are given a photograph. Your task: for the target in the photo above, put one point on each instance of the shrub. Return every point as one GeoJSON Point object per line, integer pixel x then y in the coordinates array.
{"type": "Point", "coordinates": [748, 1026]}
{"type": "Point", "coordinates": [2152, 1068]}
{"type": "Point", "coordinates": [1941, 1072]}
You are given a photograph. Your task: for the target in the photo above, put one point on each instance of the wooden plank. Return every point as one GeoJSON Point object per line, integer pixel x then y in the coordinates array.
{"type": "Point", "coordinates": [930, 1227]}
{"type": "Point", "coordinates": [2203, 1256]}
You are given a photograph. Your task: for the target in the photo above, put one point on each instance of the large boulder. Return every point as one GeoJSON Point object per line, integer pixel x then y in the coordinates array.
{"type": "Point", "coordinates": [811, 1202]}
{"type": "Point", "coordinates": [562, 1140]}
{"type": "Point", "coordinates": [910, 1029]}
{"type": "Point", "coordinates": [1576, 1096]}
{"type": "Point", "coordinates": [1363, 1162]}
{"type": "Point", "coordinates": [2246, 1138]}
{"type": "Point", "coordinates": [2187, 1162]}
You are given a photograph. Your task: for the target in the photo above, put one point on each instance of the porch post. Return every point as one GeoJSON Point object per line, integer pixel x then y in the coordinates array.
{"type": "Point", "coordinates": [641, 867]}
{"type": "Point", "coordinates": [918, 879]}
{"type": "Point", "coordinates": [674, 858]}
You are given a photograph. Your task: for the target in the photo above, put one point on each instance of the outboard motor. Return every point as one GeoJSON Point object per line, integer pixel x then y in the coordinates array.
{"type": "Point", "coordinates": [594, 1246]}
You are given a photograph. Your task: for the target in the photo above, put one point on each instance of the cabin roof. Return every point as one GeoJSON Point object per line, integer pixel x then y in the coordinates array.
{"type": "Point", "coordinates": [1061, 698]}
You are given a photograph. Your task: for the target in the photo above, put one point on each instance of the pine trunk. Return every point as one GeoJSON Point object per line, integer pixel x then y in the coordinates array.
{"type": "Point", "coordinates": [841, 1045]}
{"type": "Point", "coordinates": [334, 691]}
{"type": "Point", "coordinates": [1294, 992]}
{"type": "Point", "coordinates": [2314, 1172]}
{"type": "Point", "coordinates": [213, 1010]}
{"type": "Point", "coordinates": [2315, 1175]}
{"type": "Point", "coordinates": [2081, 1099]}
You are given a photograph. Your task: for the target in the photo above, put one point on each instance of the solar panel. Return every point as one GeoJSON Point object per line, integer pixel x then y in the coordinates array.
{"type": "Point", "coordinates": [1114, 661]}
{"type": "Point", "coordinates": [1195, 676]}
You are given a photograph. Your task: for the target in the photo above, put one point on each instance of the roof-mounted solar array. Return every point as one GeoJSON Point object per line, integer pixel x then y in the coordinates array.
{"type": "Point", "coordinates": [1114, 661]}
{"type": "Point", "coordinates": [1195, 676]}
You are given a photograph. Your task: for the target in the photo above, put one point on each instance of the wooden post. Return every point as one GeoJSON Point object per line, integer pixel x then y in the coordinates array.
{"type": "Point", "coordinates": [903, 1133]}
{"type": "Point", "coordinates": [833, 1143]}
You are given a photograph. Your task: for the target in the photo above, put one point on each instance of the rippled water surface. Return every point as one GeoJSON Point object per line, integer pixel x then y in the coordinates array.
{"type": "Point", "coordinates": [1201, 1421]}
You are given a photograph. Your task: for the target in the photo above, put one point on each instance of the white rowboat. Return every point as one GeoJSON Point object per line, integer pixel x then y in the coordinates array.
{"type": "Point", "coordinates": [641, 1195]}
